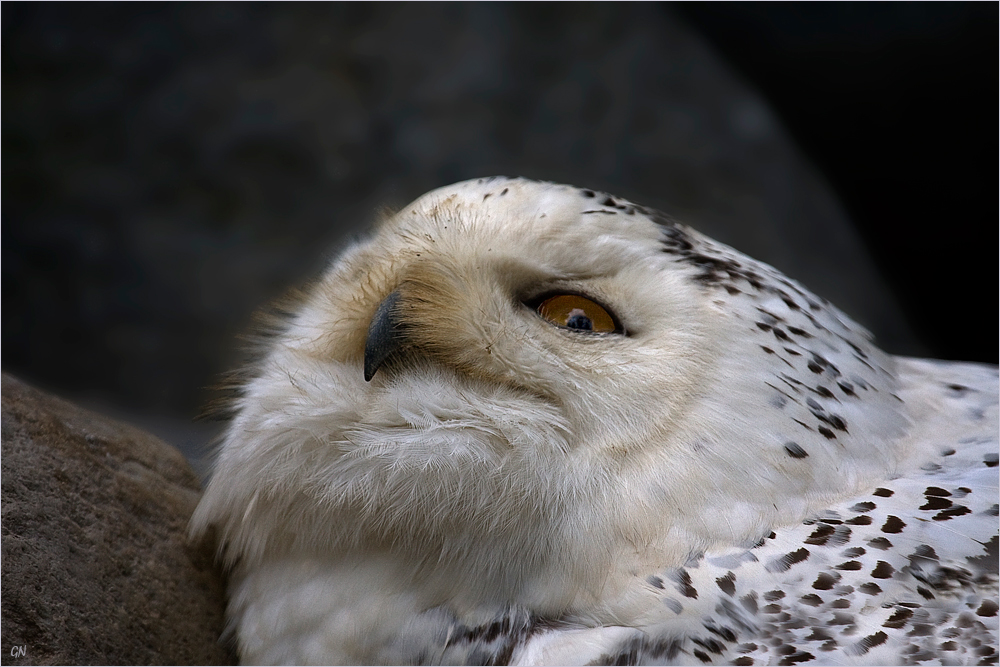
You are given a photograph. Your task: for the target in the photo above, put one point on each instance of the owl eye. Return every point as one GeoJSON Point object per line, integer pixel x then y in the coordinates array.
{"type": "Point", "coordinates": [572, 311]}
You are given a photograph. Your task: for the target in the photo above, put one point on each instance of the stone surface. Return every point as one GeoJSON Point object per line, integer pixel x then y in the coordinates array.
{"type": "Point", "coordinates": [97, 568]}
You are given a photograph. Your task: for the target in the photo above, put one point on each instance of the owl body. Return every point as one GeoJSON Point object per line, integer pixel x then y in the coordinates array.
{"type": "Point", "coordinates": [427, 466]}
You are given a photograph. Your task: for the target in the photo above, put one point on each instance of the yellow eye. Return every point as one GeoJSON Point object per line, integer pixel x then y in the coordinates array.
{"type": "Point", "coordinates": [577, 312]}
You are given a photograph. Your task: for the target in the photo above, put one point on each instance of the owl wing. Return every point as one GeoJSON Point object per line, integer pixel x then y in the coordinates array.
{"type": "Point", "coordinates": [903, 573]}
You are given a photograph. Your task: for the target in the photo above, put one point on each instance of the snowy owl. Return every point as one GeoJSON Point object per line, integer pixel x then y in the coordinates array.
{"type": "Point", "coordinates": [533, 424]}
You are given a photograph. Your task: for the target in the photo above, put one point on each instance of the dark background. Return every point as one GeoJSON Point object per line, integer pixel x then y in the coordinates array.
{"type": "Point", "coordinates": [896, 103]}
{"type": "Point", "coordinates": [167, 169]}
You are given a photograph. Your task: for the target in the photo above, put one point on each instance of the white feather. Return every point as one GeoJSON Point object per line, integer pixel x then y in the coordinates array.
{"type": "Point", "coordinates": [506, 489]}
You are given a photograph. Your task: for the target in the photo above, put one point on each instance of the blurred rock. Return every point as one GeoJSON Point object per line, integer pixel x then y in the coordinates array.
{"type": "Point", "coordinates": [169, 168]}
{"type": "Point", "coordinates": [97, 568]}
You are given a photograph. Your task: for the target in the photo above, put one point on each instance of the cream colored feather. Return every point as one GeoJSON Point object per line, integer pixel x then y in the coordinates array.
{"type": "Point", "coordinates": [504, 488]}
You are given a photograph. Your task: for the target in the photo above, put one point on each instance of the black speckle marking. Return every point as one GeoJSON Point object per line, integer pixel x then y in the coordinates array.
{"type": "Point", "coordinates": [883, 570]}
{"type": "Point", "coordinates": [893, 524]}
{"type": "Point", "coordinates": [870, 588]}
{"type": "Point", "coordinates": [840, 536]}
{"type": "Point", "coordinates": [921, 630]}
{"type": "Point", "coordinates": [927, 595]}
{"type": "Point", "coordinates": [884, 493]}
{"type": "Point", "coordinates": [793, 306]}
{"type": "Point", "coordinates": [849, 565]}
{"type": "Point", "coordinates": [654, 581]}
{"type": "Point", "coordinates": [827, 433]}
{"type": "Point", "coordinates": [675, 241]}
{"type": "Point", "coordinates": [771, 596]}
{"type": "Point", "coordinates": [795, 451]}
{"type": "Point", "coordinates": [853, 552]}
{"type": "Point", "coordinates": [847, 388]}
{"type": "Point", "coordinates": [936, 491]}
{"type": "Point", "coordinates": [825, 581]}
{"type": "Point", "coordinates": [749, 602]}
{"type": "Point", "coordinates": [743, 660]}
{"type": "Point", "coordinates": [994, 510]}
{"type": "Point", "coordinates": [823, 391]}
{"type": "Point", "coordinates": [701, 655]}
{"type": "Point", "coordinates": [795, 658]}
{"type": "Point", "coordinates": [818, 635]}
{"type": "Point", "coordinates": [868, 643]}
{"type": "Point", "coordinates": [511, 630]}
{"type": "Point", "coordinates": [683, 581]}
{"type": "Point", "coordinates": [987, 608]}
{"type": "Point", "coordinates": [860, 521]}
{"type": "Point", "coordinates": [811, 599]}
{"type": "Point", "coordinates": [964, 621]}
{"type": "Point", "coordinates": [899, 618]}
{"type": "Point", "coordinates": [504, 191]}
{"type": "Point", "coordinates": [991, 460]}
{"type": "Point", "coordinates": [863, 507]}
{"type": "Point", "coordinates": [767, 349]}
{"type": "Point", "coordinates": [590, 194]}
{"type": "Point", "coordinates": [770, 317]}
{"type": "Point", "coordinates": [936, 503]}
{"type": "Point", "coordinates": [721, 631]}
{"type": "Point", "coordinates": [857, 350]}
{"type": "Point", "coordinates": [788, 560]}
{"type": "Point", "coordinates": [951, 513]}
{"type": "Point", "coordinates": [727, 583]}
{"type": "Point", "coordinates": [836, 421]}
{"type": "Point", "coordinates": [771, 609]}
{"type": "Point", "coordinates": [797, 331]}
{"type": "Point", "coordinates": [842, 603]}
{"type": "Point", "coordinates": [880, 543]}
{"type": "Point", "coordinates": [814, 367]}
{"type": "Point", "coordinates": [820, 536]}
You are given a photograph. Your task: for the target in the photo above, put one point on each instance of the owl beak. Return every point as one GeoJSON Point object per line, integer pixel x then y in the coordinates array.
{"type": "Point", "coordinates": [384, 335]}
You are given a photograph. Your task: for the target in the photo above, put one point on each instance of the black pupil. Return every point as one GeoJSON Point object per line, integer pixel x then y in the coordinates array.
{"type": "Point", "coordinates": [578, 320]}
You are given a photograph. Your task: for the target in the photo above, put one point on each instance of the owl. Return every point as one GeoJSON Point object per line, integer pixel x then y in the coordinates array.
{"type": "Point", "coordinates": [525, 423]}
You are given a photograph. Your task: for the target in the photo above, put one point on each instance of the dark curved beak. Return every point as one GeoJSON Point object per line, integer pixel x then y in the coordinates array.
{"type": "Point", "coordinates": [384, 335]}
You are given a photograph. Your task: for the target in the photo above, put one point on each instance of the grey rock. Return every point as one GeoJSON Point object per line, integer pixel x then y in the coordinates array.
{"type": "Point", "coordinates": [97, 568]}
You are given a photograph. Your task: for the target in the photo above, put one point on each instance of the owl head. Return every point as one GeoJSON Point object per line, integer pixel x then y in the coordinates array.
{"type": "Point", "coordinates": [513, 389]}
